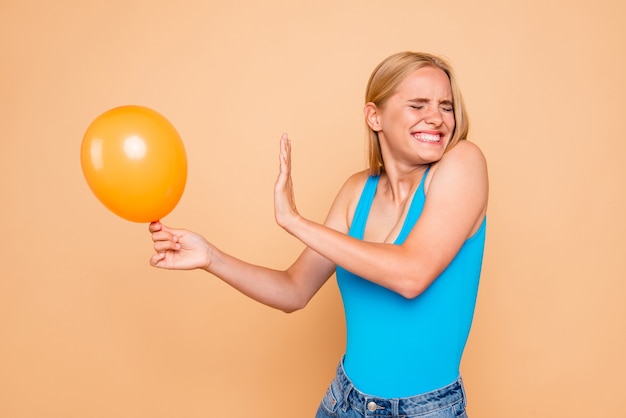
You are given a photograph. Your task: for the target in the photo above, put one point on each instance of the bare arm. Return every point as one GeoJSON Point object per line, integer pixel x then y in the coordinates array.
{"type": "Point", "coordinates": [454, 208]}
{"type": "Point", "coordinates": [286, 290]}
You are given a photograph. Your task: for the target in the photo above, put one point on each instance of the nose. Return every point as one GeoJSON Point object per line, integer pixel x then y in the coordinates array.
{"type": "Point", "coordinates": [433, 116]}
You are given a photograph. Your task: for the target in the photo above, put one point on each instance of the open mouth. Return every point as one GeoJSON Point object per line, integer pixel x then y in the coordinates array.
{"type": "Point", "coordinates": [426, 137]}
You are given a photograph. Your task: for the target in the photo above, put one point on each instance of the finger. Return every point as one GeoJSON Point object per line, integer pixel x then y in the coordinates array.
{"type": "Point", "coordinates": [168, 245]}
{"type": "Point", "coordinates": [156, 259]}
{"type": "Point", "coordinates": [158, 226]}
{"type": "Point", "coordinates": [155, 226]}
{"type": "Point", "coordinates": [281, 154]}
{"type": "Point", "coordinates": [285, 152]}
{"type": "Point", "coordinates": [285, 145]}
{"type": "Point", "coordinates": [164, 236]}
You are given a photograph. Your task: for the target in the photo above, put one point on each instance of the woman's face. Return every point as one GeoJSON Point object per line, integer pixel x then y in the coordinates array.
{"type": "Point", "coordinates": [417, 121]}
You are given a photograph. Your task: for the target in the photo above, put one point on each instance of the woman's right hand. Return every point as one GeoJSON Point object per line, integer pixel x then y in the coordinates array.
{"type": "Point", "coordinates": [178, 249]}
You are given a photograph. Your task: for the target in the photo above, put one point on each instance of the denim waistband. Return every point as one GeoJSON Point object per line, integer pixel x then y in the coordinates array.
{"type": "Point", "coordinates": [372, 406]}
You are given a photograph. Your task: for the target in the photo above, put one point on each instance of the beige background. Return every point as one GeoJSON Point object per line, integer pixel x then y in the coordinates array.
{"type": "Point", "coordinates": [88, 329]}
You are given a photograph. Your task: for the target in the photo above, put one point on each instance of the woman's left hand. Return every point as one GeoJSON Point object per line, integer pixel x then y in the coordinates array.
{"type": "Point", "coordinates": [285, 210]}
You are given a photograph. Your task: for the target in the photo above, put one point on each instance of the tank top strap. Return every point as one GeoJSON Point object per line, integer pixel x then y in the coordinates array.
{"type": "Point", "coordinates": [415, 210]}
{"type": "Point", "coordinates": [362, 211]}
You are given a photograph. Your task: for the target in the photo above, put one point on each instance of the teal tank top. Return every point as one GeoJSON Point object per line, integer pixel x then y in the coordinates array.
{"type": "Point", "coordinates": [398, 347]}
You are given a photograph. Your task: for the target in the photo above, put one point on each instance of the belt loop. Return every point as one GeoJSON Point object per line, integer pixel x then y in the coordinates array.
{"type": "Point", "coordinates": [463, 391]}
{"type": "Point", "coordinates": [346, 394]}
{"type": "Point", "coordinates": [395, 407]}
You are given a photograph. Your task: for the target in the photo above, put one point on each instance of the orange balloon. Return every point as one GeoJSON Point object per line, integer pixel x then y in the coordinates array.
{"type": "Point", "coordinates": [134, 162]}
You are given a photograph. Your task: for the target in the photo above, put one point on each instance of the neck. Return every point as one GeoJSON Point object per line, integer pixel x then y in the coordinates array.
{"type": "Point", "coordinates": [398, 185]}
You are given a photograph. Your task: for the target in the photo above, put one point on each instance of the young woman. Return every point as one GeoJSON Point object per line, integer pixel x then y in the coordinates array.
{"type": "Point", "coordinates": [405, 238]}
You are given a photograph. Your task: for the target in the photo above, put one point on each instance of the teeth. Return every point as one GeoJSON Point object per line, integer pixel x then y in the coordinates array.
{"type": "Point", "coordinates": [427, 137]}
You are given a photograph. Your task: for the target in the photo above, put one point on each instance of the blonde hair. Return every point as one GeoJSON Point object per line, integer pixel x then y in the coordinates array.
{"type": "Point", "coordinates": [383, 84]}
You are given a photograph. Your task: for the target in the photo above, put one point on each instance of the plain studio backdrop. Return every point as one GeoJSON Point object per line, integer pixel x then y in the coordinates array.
{"type": "Point", "coordinates": [89, 329]}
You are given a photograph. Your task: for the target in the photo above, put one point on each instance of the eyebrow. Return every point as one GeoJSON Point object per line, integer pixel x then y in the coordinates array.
{"type": "Point", "coordinates": [420, 101]}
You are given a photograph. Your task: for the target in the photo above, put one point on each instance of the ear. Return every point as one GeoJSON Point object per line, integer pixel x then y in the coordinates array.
{"type": "Point", "coordinates": [372, 116]}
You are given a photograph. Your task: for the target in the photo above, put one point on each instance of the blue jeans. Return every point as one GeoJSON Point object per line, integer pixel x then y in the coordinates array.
{"type": "Point", "coordinates": [343, 400]}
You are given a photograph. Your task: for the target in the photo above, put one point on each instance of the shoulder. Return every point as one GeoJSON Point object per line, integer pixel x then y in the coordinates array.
{"type": "Point", "coordinates": [464, 162]}
{"type": "Point", "coordinates": [344, 205]}
{"type": "Point", "coordinates": [463, 151]}
{"type": "Point", "coordinates": [465, 155]}
{"type": "Point", "coordinates": [356, 182]}
{"type": "Point", "coordinates": [353, 187]}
